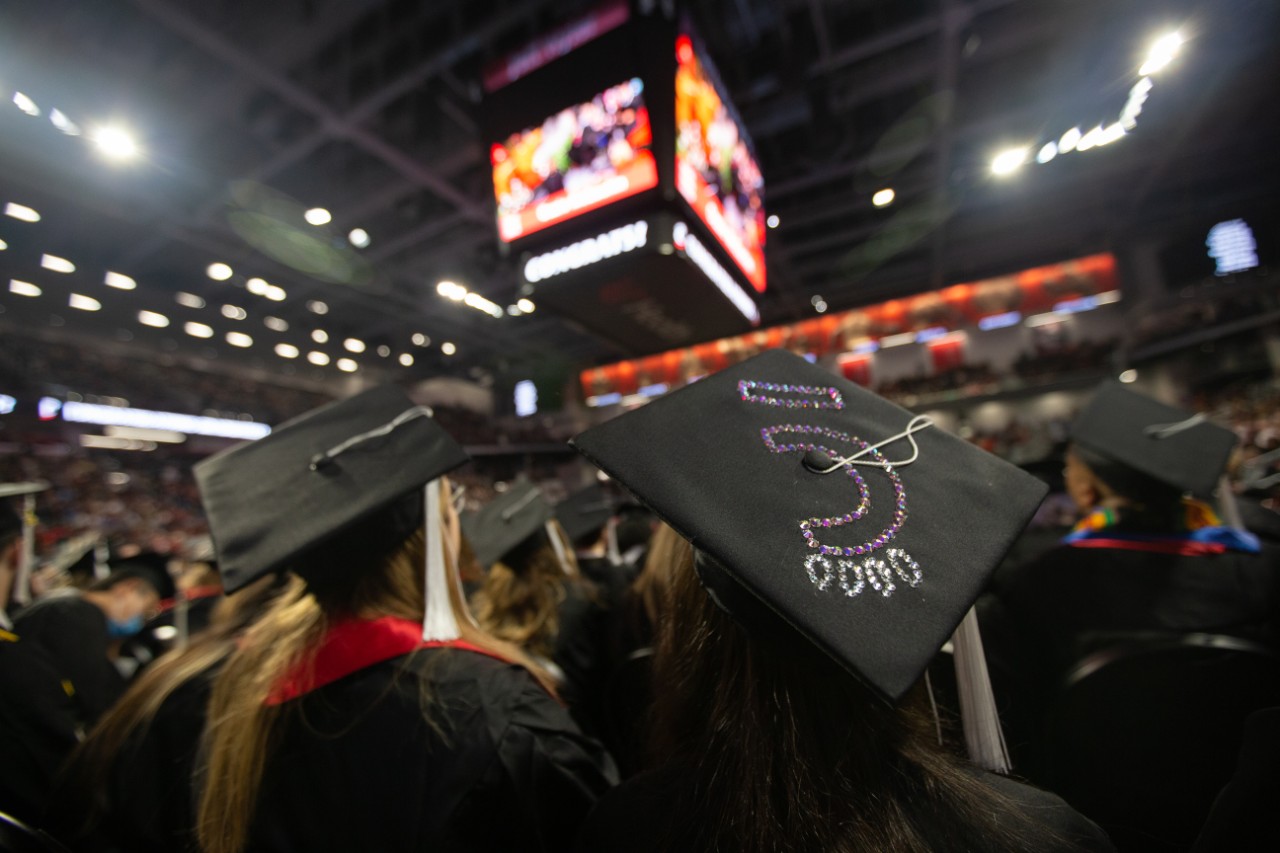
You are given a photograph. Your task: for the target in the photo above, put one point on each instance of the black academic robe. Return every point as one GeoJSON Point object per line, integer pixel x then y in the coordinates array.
{"type": "Point", "coordinates": [1070, 601]}
{"type": "Point", "coordinates": [581, 651]}
{"type": "Point", "coordinates": [73, 634]}
{"type": "Point", "coordinates": [360, 768]}
{"type": "Point", "coordinates": [38, 727]}
{"type": "Point", "coordinates": [638, 816]}
{"type": "Point", "coordinates": [148, 803]}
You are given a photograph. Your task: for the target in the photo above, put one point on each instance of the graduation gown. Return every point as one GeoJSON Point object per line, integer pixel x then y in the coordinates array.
{"type": "Point", "coordinates": [148, 805]}
{"type": "Point", "coordinates": [498, 766]}
{"type": "Point", "coordinates": [1071, 601]}
{"type": "Point", "coordinates": [638, 816]}
{"type": "Point", "coordinates": [73, 634]}
{"type": "Point", "coordinates": [38, 727]}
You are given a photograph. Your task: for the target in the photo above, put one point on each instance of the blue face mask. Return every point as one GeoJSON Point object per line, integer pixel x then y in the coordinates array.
{"type": "Point", "coordinates": [129, 627]}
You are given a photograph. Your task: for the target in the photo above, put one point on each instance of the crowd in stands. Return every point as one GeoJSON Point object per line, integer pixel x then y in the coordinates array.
{"type": "Point", "coordinates": [32, 368]}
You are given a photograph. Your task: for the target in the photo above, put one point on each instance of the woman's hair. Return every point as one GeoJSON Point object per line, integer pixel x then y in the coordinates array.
{"type": "Point", "coordinates": [90, 767]}
{"type": "Point", "coordinates": [786, 751]}
{"type": "Point", "coordinates": [668, 551]}
{"type": "Point", "coordinates": [521, 595]}
{"type": "Point", "coordinates": [243, 728]}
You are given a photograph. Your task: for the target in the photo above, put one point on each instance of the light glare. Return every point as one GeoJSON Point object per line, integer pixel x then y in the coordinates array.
{"type": "Point", "coordinates": [448, 348]}
{"type": "Point", "coordinates": [883, 197]}
{"type": "Point", "coordinates": [84, 303]}
{"type": "Point", "coordinates": [198, 330]}
{"type": "Point", "coordinates": [218, 271]}
{"type": "Point", "coordinates": [318, 216]}
{"type": "Point", "coordinates": [318, 358]}
{"type": "Point", "coordinates": [234, 312]}
{"type": "Point", "coordinates": [320, 336]}
{"type": "Point", "coordinates": [526, 305]}
{"type": "Point", "coordinates": [119, 281]}
{"type": "Point", "coordinates": [115, 143]}
{"type": "Point", "coordinates": [1008, 161]}
{"type": "Point", "coordinates": [23, 288]}
{"type": "Point", "coordinates": [21, 211]}
{"type": "Point", "coordinates": [275, 324]}
{"type": "Point", "coordinates": [25, 104]}
{"type": "Point", "coordinates": [353, 345]}
{"type": "Point", "coordinates": [315, 306]}
{"type": "Point", "coordinates": [1162, 52]}
{"type": "Point", "coordinates": [773, 221]}
{"type": "Point", "coordinates": [359, 238]}
{"type": "Point", "coordinates": [239, 339]}
{"type": "Point", "coordinates": [256, 286]}
{"type": "Point", "coordinates": [190, 300]}
{"type": "Point", "coordinates": [286, 351]}
{"type": "Point", "coordinates": [346, 364]}
{"type": "Point", "coordinates": [57, 264]}
{"type": "Point", "coordinates": [153, 319]}
{"type": "Point", "coordinates": [1047, 152]}
{"type": "Point", "coordinates": [406, 360]}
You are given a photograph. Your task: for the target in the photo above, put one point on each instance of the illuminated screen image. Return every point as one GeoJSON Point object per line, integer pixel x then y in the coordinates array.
{"type": "Point", "coordinates": [579, 159]}
{"type": "Point", "coordinates": [715, 172]}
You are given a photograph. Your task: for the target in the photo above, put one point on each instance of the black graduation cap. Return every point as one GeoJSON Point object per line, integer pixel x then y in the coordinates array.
{"type": "Point", "coordinates": [505, 522]}
{"type": "Point", "coordinates": [149, 566]}
{"type": "Point", "coordinates": [1173, 446]}
{"type": "Point", "coordinates": [874, 565]}
{"type": "Point", "coordinates": [585, 511]}
{"type": "Point", "coordinates": [272, 501]}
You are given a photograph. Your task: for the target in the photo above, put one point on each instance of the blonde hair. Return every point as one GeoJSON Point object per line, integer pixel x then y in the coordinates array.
{"type": "Point", "coordinates": [520, 599]}
{"type": "Point", "coordinates": [668, 551]}
{"type": "Point", "coordinates": [242, 727]}
{"type": "Point", "coordinates": [91, 764]}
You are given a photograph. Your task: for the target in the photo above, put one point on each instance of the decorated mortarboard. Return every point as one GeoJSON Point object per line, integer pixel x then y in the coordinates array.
{"type": "Point", "coordinates": [874, 559]}
{"type": "Point", "coordinates": [1170, 445]}
{"type": "Point", "coordinates": [585, 511]}
{"type": "Point", "coordinates": [273, 501]}
{"type": "Point", "coordinates": [505, 522]}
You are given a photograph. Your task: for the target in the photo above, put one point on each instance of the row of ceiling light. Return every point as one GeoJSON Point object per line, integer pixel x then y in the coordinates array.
{"type": "Point", "coordinates": [1161, 53]}
{"type": "Point", "coordinates": [455, 292]}
{"type": "Point", "coordinates": [218, 272]}
{"type": "Point", "coordinates": [117, 143]}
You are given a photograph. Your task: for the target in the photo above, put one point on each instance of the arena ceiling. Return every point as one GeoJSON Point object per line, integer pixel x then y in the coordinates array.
{"type": "Point", "coordinates": [368, 108]}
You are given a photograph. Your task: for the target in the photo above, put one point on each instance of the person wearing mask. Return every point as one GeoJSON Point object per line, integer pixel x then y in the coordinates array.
{"type": "Point", "coordinates": [81, 632]}
{"type": "Point", "coordinates": [364, 710]}
{"type": "Point", "coordinates": [837, 543]}
{"type": "Point", "coordinates": [535, 596]}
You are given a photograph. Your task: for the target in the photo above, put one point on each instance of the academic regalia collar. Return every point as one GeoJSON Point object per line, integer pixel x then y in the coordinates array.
{"type": "Point", "coordinates": [355, 644]}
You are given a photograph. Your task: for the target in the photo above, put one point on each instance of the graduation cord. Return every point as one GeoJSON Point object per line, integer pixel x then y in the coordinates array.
{"type": "Point", "coordinates": [1170, 430]}
{"type": "Point", "coordinates": [916, 424]}
{"type": "Point", "coordinates": [321, 459]}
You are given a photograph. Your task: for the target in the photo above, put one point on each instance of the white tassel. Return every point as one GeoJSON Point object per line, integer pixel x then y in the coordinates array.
{"type": "Point", "coordinates": [439, 624]}
{"type": "Point", "coordinates": [982, 733]}
{"type": "Point", "coordinates": [27, 555]}
{"type": "Point", "coordinates": [611, 542]}
{"type": "Point", "coordinates": [558, 547]}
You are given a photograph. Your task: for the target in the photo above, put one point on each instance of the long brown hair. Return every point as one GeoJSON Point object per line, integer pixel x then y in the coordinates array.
{"type": "Point", "coordinates": [242, 728]}
{"type": "Point", "coordinates": [520, 599]}
{"type": "Point", "coordinates": [90, 767]}
{"type": "Point", "coordinates": [786, 751]}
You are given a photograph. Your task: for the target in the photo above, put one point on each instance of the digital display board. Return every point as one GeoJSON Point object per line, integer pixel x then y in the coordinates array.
{"type": "Point", "coordinates": [580, 159]}
{"type": "Point", "coordinates": [716, 172]}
